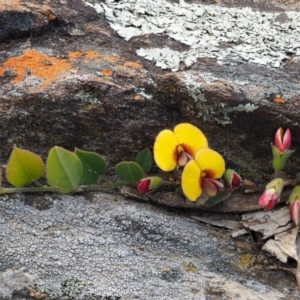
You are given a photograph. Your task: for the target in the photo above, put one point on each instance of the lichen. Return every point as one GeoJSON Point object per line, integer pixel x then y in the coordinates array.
{"type": "Point", "coordinates": [10, 3]}
{"type": "Point", "coordinates": [190, 267]}
{"type": "Point", "coordinates": [141, 91]}
{"type": "Point", "coordinates": [217, 111]}
{"type": "Point", "coordinates": [253, 36]}
{"type": "Point", "coordinates": [37, 64]}
{"type": "Point", "coordinates": [87, 97]}
{"type": "Point", "coordinates": [72, 288]}
{"type": "Point", "coordinates": [245, 261]}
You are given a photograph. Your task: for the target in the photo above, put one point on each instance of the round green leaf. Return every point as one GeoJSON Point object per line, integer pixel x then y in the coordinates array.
{"type": "Point", "coordinates": [23, 167]}
{"type": "Point", "coordinates": [145, 160]}
{"type": "Point", "coordinates": [64, 170]}
{"type": "Point", "coordinates": [93, 166]}
{"type": "Point", "coordinates": [129, 171]}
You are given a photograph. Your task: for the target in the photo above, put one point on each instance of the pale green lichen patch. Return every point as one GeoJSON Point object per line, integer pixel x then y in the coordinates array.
{"type": "Point", "coordinates": [216, 111]}
{"type": "Point", "coordinates": [87, 97]}
{"type": "Point", "coordinates": [252, 36]}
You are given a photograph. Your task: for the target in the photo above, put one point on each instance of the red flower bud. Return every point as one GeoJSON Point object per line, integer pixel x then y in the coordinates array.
{"type": "Point", "coordinates": [232, 178]}
{"type": "Point", "coordinates": [149, 184]}
{"type": "Point", "coordinates": [143, 186]}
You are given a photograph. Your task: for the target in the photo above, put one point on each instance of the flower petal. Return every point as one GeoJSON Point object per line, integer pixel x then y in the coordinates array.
{"type": "Point", "coordinates": [287, 140]}
{"type": "Point", "coordinates": [269, 195]}
{"type": "Point", "coordinates": [278, 139]}
{"type": "Point", "coordinates": [165, 146]}
{"type": "Point", "coordinates": [211, 186]}
{"type": "Point", "coordinates": [190, 181]}
{"type": "Point", "coordinates": [183, 159]}
{"type": "Point", "coordinates": [190, 137]}
{"type": "Point", "coordinates": [210, 162]}
{"type": "Point", "coordinates": [295, 212]}
{"type": "Point", "coordinates": [143, 186]}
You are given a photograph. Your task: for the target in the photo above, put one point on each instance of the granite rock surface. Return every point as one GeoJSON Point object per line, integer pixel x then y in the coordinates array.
{"type": "Point", "coordinates": [107, 76]}
{"type": "Point", "coordinates": [98, 75]}
{"type": "Point", "coordinates": [106, 247]}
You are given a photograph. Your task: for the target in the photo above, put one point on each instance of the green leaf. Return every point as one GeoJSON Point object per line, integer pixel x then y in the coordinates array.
{"type": "Point", "coordinates": [219, 197]}
{"type": "Point", "coordinates": [145, 160]}
{"type": "Point", "coordinates": [93, 166]}
{"type": "Point", "coordinates": [64, 170]}
{"type": "Point", "coordinates": [23, 167]}
{"type": "Point", "coordinates": [129, 171]}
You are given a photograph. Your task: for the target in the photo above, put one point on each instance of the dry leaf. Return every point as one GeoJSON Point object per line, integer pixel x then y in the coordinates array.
{"type": "Point", "coordinates": [283, 245]}
{"type": "Point", "coordinates": [268, 223]}
{"type": "Point", "coordinates": [229, 224]}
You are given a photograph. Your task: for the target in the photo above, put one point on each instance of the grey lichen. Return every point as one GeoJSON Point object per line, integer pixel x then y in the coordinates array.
{"type": "Point", "coordinates": [141, 91]}
{"type": "Point", "coordinates": [249, 107]}
{"type": "Point", "coordinates": [117, 249]}
{"type": "Point", "coordinates": [87, 97]}
{"type": "Point", "coordinates": [72, 288]}
{"type": "Point", "coordinates": [215, 111]}
{"type": "Point", "coordinates": [252, 36]}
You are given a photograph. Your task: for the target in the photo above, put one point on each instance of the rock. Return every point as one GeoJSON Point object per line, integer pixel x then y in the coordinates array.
{"type": "Point", "coordinates": [99, 245]}
{"type": "Point", "coordinates": [107, 76]}
{"type": "Point", "coordinates": [72, 81]}
{"type": "Point", "coordinates": [13, 281]}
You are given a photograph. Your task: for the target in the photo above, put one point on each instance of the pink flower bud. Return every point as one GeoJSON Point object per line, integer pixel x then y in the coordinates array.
{"type": "Point", "coordinates": [232, 178]}
{"type": "Point", "coordinates": [149, 184]}
{"type": "Point", "coordinates": [295, 211]}
{"type": "Point", "coordinates": [283, 141]}
{"type": "Point", "coordinates": [271, 195]}
{"type": "Point", "coordinates": [294, 201]}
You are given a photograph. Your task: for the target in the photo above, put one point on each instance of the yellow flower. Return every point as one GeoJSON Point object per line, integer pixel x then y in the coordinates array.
{"type": "Point", "coordinates": [178, 147]}
{"type": "Point", "coordinates": [201, 174]}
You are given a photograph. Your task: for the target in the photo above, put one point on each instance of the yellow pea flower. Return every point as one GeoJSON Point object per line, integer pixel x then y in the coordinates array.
{"type": "Point", "coordinates": [178, 147]}
{"type": "Point", "coordinates": [201, 174]}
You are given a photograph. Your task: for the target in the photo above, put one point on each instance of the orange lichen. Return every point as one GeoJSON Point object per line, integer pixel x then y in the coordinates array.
{"type": "Point", "coordinates": [111, 59]}
{"type": "Point", "coordinates": [10, 3]}
{"type": "Point", "coordinates": [92, 55]}
{"type": "Point", "coordinates": [107, 72]}
{"type": "Point", "coordinates": [51, 16]}
{"type": "Point", "coordinates": [75, 54]}
{"type": "Point", "coordinates": [48, 68]}
{"type": "Point", "coordinates": [278, 99]}
{"type": "Point", "coordinates": [37, 64]}
{"type": "Point", "coordinates": [133, 64]}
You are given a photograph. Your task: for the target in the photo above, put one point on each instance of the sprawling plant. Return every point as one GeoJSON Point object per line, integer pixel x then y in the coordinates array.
{"type": "Point", "coordinates": [67, 171]}
{"type": "Point", "coordinates": [201, 170]}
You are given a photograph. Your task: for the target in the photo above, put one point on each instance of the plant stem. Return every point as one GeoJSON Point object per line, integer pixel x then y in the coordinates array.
{"type": "Point", "coordinates": [97, 187]}
{"type": "Point", "coordinates": [27, 190]}
{"type": "Point", "coordinates": [43, 189]}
